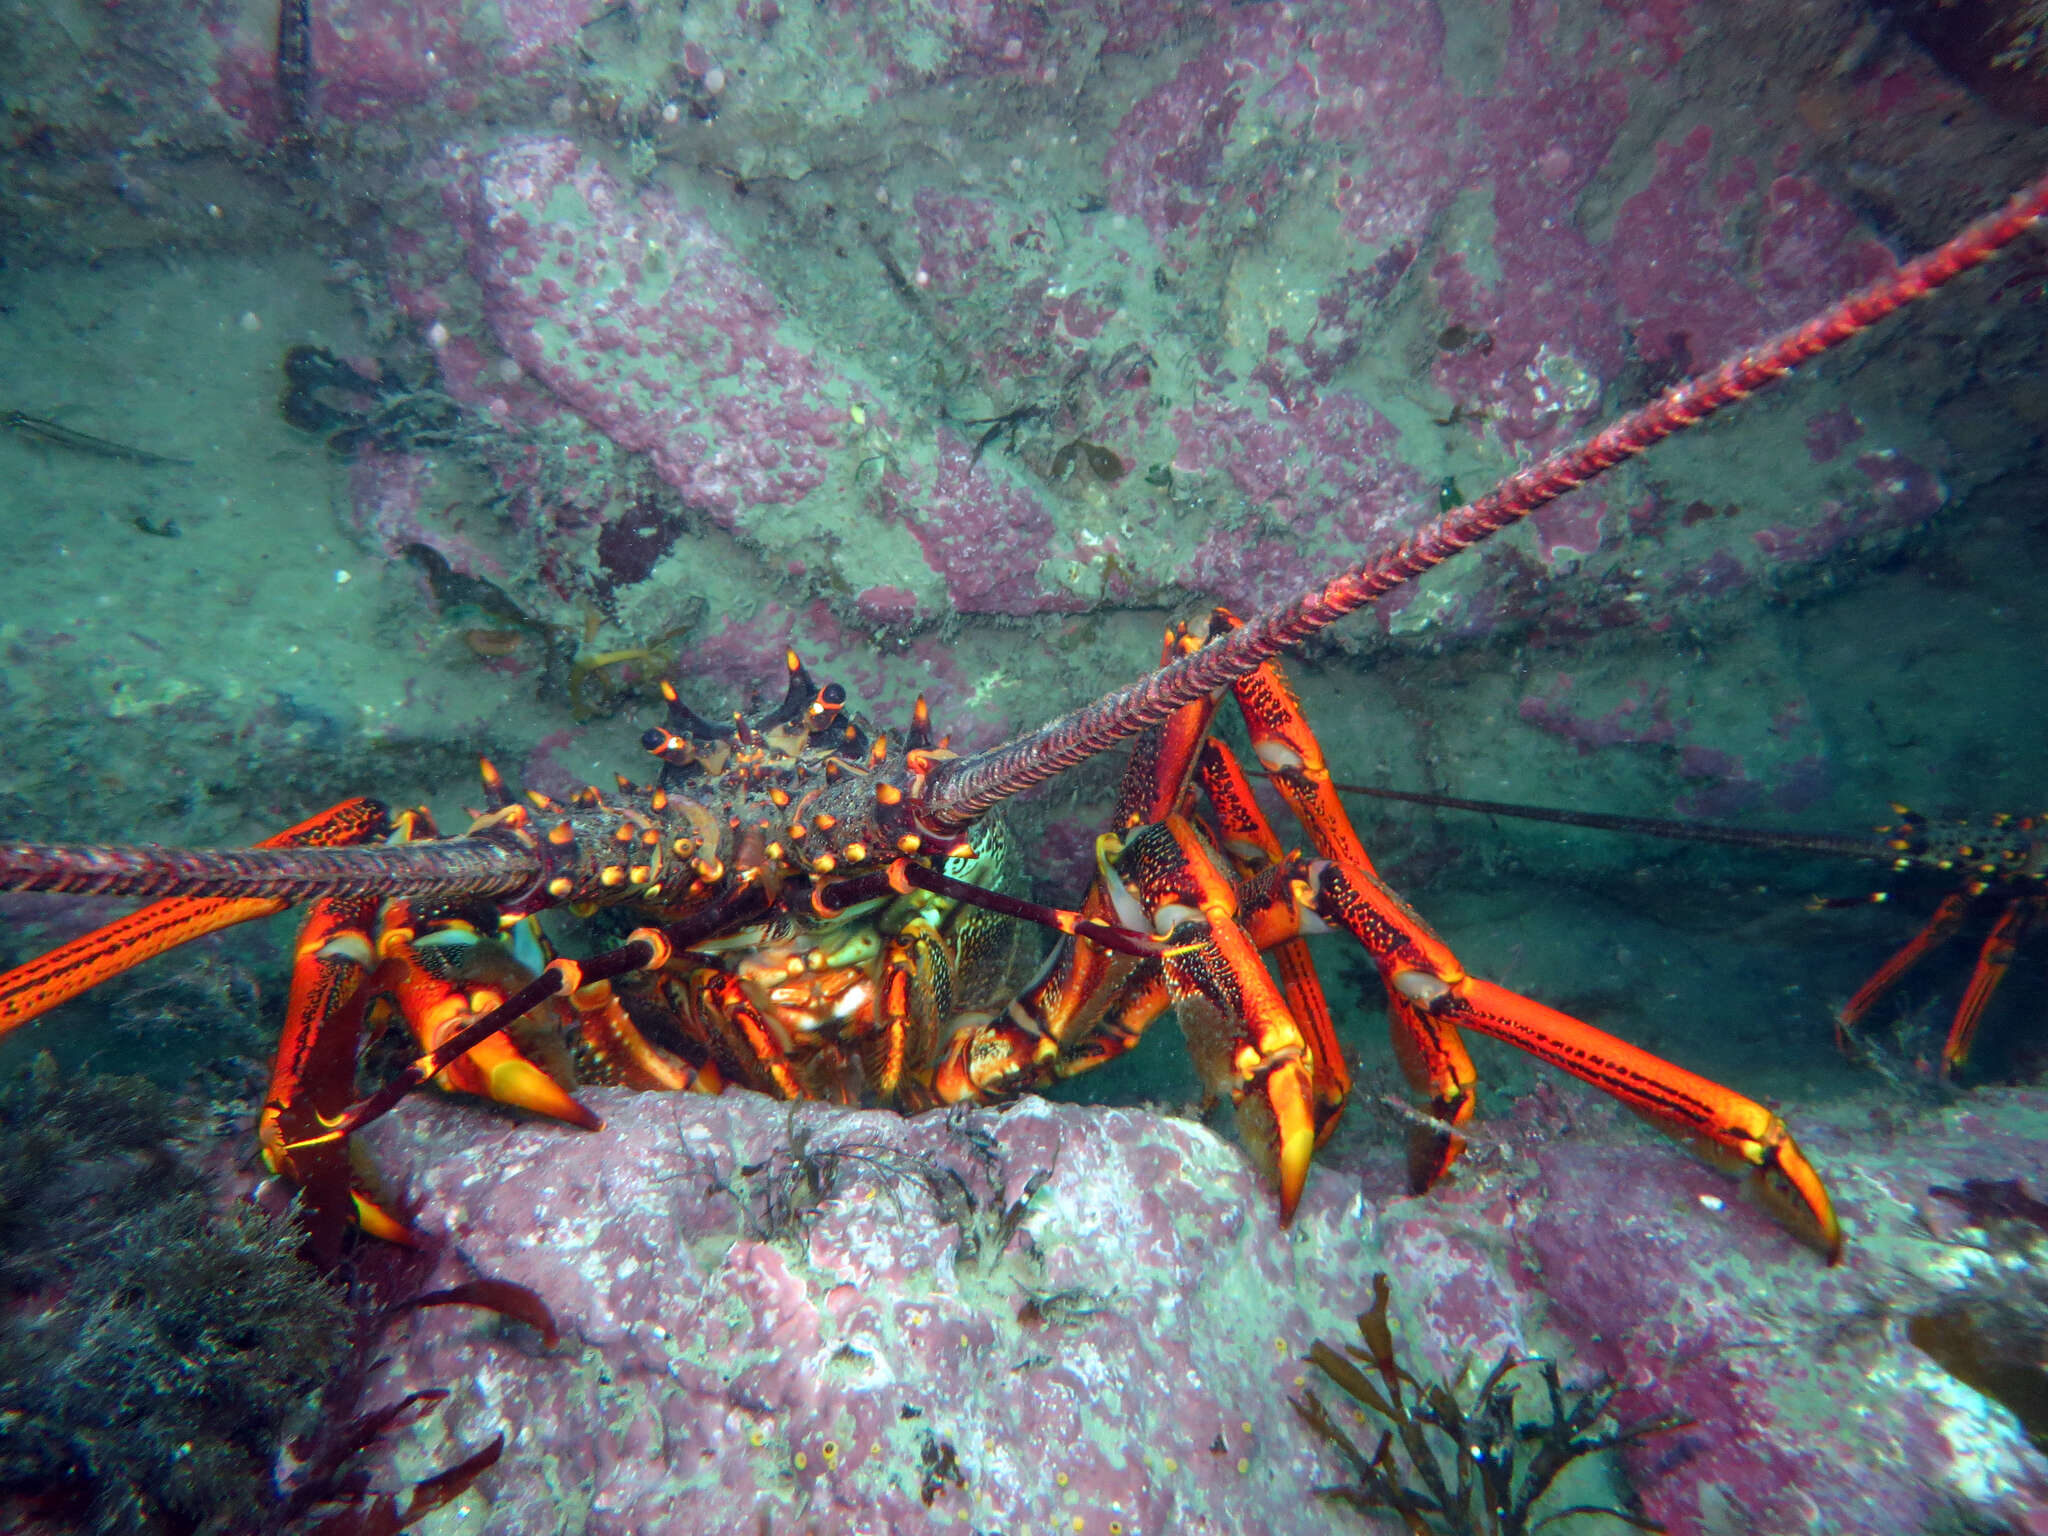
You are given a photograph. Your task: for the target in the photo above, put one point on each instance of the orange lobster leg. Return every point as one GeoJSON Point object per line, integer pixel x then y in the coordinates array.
{"type": "Point", "coordinates": [1238, 1027]}
{"type": "Point", "coordinates": [445, 979]}
{"type": "Point", "coordinates": [1288, 750]}
{"type": "Point", "coordinates": [1433, 1058]}
{"type": "Point", "coordinates": [1089, 1004]}
{"type": "Point", "coordinates": [1431, 1055]}
{"type": "Point", "coordinates": [1993, 960]}
{"type": "Point", "coordinates": [626, 1056]}
{"type": "Point", "coordinates": [313, 1076]}
{"type": "Point", "coordinates": [758, 1045]}
{"type": "Point", "coordinates": [31, 990]}
{"type": "Point", "coordinates": [1051, 1031]}
{"type": "Point", "coordinates": [1249, 838]}
{"type": "Point", "coordinates": [1731, 1131]}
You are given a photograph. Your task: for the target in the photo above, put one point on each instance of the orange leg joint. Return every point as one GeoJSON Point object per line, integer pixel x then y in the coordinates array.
{"type": "Point", "coordinates": [1729, 1130]}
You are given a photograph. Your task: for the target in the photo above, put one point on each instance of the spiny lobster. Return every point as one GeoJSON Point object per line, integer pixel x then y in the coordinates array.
{"type": "Point", "coordinates": [827, 912]}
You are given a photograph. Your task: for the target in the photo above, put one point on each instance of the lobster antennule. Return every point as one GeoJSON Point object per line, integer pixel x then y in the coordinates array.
{"type": "Point", "coordinates": [969, 787]}
{"type": "Point", "coordinates": [452, 867]}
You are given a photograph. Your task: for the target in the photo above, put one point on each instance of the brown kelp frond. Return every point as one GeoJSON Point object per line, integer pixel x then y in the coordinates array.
{"type": "Point", "coordinates": [1452, 1468]}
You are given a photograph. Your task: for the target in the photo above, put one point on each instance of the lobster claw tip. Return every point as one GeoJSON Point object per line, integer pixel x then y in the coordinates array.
{"type": "Point", "coordinates": [1290, 1098]}
{"type": "Point", "coordinates": [380, 1223]}
{"type": "Point", "coordinates": [1786, 1186]}
{"type": "Point", "coordinates": [520, 1083]}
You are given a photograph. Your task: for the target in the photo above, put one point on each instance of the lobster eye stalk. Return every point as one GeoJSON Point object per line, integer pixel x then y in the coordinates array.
{"type": "Point", "coordinates": [967, 788]}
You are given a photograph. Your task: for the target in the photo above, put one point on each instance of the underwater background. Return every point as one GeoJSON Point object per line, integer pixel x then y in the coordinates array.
{"type": "Point", "coordinates": [391, 385]}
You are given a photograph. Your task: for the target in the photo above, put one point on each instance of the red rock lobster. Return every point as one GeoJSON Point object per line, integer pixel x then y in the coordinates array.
{"type": "Point", "coordinates": [827, 913]}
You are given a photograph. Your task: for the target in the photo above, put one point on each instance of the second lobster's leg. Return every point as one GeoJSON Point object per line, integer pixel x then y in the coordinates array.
{"type": "Point", "coordinates": [1938, 929]}
{"type": "Point", "coordinates": [1993, 960]}
{"type": "Point", "coordinates": [1431, 996]}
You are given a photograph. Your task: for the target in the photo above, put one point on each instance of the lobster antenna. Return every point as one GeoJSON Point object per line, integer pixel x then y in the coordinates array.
{"type": "Point", "coordinates": [965, 788]}
{"type": "Point", "coordinates": [456, 866]}
{"type": "Point", "coordinates": [1678, 830]}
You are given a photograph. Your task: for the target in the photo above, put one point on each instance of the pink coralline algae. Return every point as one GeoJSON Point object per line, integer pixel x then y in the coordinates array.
{"type": "Point", "coordinates": [378, 58]}
{"type": "Point", "coordinates": [1692, 289]}
{"type": "Point", "coordinates": [1894, 494]}
{"type": "Point", "coordinates": [1424, 255]}
{"type": "Point", "coordinates": [634, 312]}
{"type": "Point", "coordinates": [1785, 767]}
{"type": "Point", "coordinates": [982, 533]}
{"type": "Point", "coordinates": [846, 1321]}
{"type": "Point", "coordinates": [1324, 470]}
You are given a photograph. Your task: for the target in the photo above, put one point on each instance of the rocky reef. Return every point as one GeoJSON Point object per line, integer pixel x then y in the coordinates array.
{"type": "Point", "coordinates": [1057, 1317]}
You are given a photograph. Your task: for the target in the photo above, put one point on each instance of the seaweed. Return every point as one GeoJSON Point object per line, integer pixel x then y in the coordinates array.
{"type": "Point", "coordinates": [1491, 1489]}
{"type": "Point", "coordinates": [155, 1352]}
{"type": "Point", "coordinates": [327, 394]}
{"type": "Point", "coordinates": [159, 1353]}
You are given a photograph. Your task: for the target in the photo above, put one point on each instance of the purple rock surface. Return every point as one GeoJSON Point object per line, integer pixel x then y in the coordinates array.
{"type": "Point", "coordinates": [1054, 1317]}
